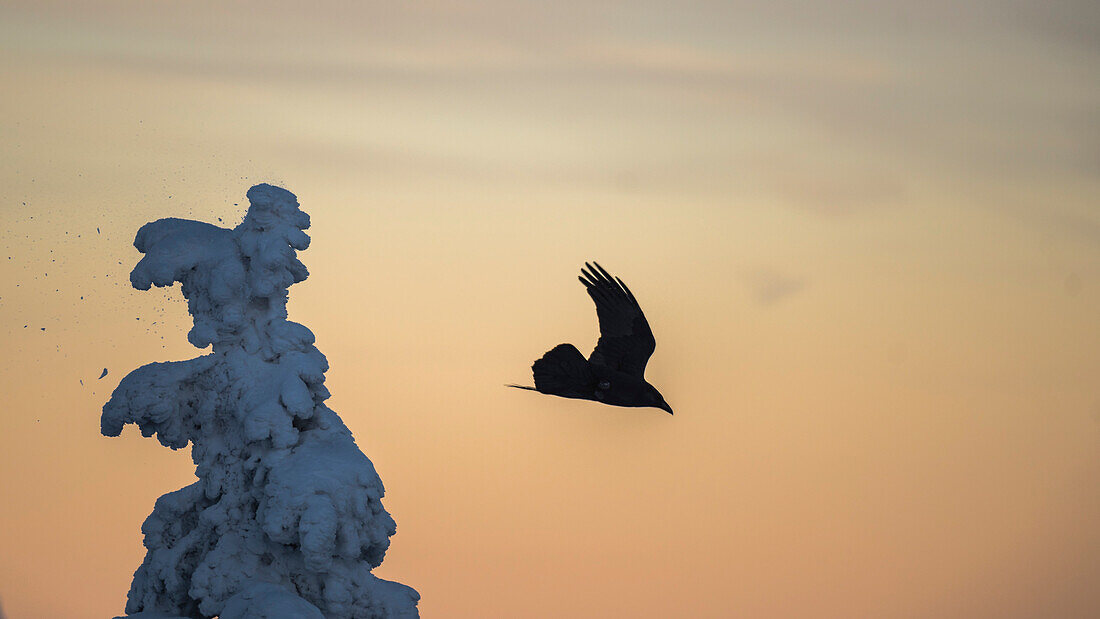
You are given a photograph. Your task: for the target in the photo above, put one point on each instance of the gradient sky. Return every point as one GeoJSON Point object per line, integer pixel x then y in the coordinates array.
{"type": "Point", "coordinates": [866, 236]}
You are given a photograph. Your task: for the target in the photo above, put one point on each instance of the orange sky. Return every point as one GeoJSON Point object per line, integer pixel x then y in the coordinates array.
{"type": "Point", "coordinates": [865, 236]}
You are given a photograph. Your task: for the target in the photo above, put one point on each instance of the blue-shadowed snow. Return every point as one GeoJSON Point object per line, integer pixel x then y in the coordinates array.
{"type": "Point", "coordinates": [286, 518]}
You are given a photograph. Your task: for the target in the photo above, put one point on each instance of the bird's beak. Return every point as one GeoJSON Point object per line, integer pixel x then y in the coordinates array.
{"type": "Point", "coordinates": [665, 407]}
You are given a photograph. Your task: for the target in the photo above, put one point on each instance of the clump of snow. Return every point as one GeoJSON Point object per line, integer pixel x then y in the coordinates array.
{"type": "Point", "coordinates": [267, 601]}
{"type": "Point", "coordinates": [286, 518]}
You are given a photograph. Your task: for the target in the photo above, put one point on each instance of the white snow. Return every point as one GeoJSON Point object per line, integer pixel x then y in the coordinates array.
{"type": "Point", "coordinates": [267, 601]}
{"type": "Point", "coordinates": [286, 518]}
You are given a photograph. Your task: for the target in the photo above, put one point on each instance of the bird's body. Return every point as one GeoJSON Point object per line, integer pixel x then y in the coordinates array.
{"type": "Point", "coordinates": [614, 372]}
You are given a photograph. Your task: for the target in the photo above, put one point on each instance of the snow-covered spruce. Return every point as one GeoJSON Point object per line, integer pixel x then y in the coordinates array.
{"type": "Point", "coordinates": [286, 518]}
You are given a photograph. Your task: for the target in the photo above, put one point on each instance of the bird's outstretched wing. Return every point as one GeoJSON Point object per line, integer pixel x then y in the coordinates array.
{"type": "Point", "coordinates": [626, 341]}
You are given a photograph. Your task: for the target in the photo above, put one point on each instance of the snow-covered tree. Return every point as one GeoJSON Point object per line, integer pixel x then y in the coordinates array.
{"type": "Point", "coordinates": [286, 518]}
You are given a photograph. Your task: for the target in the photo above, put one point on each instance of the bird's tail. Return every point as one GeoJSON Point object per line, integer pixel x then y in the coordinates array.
{"type": "Point", "coordinates": [563, 371]}
{"type": "Point", "coordinates": [521, 387]}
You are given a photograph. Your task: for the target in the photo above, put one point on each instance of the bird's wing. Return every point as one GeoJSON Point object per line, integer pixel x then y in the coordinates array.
{"type": "Point", "coordinates": [626, 341]}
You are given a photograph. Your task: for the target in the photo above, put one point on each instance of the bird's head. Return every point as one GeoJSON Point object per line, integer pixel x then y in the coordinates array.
{"type": "Point", "coordinates": [656, 400]}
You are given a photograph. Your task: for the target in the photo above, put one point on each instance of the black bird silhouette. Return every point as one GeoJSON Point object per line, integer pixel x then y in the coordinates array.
{"type": "Point", "coordinates": [614, 372]}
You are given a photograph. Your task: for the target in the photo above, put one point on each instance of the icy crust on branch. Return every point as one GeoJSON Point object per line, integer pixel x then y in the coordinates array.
{"type": "Point", "coordinates": [286, 519]}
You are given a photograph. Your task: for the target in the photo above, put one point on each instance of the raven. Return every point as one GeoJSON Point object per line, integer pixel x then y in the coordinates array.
{"type": "Point", "coordinates": [614, 372]}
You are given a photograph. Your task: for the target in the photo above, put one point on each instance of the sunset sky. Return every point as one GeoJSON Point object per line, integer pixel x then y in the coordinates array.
{"type": "Point", "coordinates": [866, 236]}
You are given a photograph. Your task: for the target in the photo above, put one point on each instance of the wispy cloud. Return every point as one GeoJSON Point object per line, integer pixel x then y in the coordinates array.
{"type": "Point", "coordinates": [770, 286]}
{"type": "Point", "coordinates": [829, 187]}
